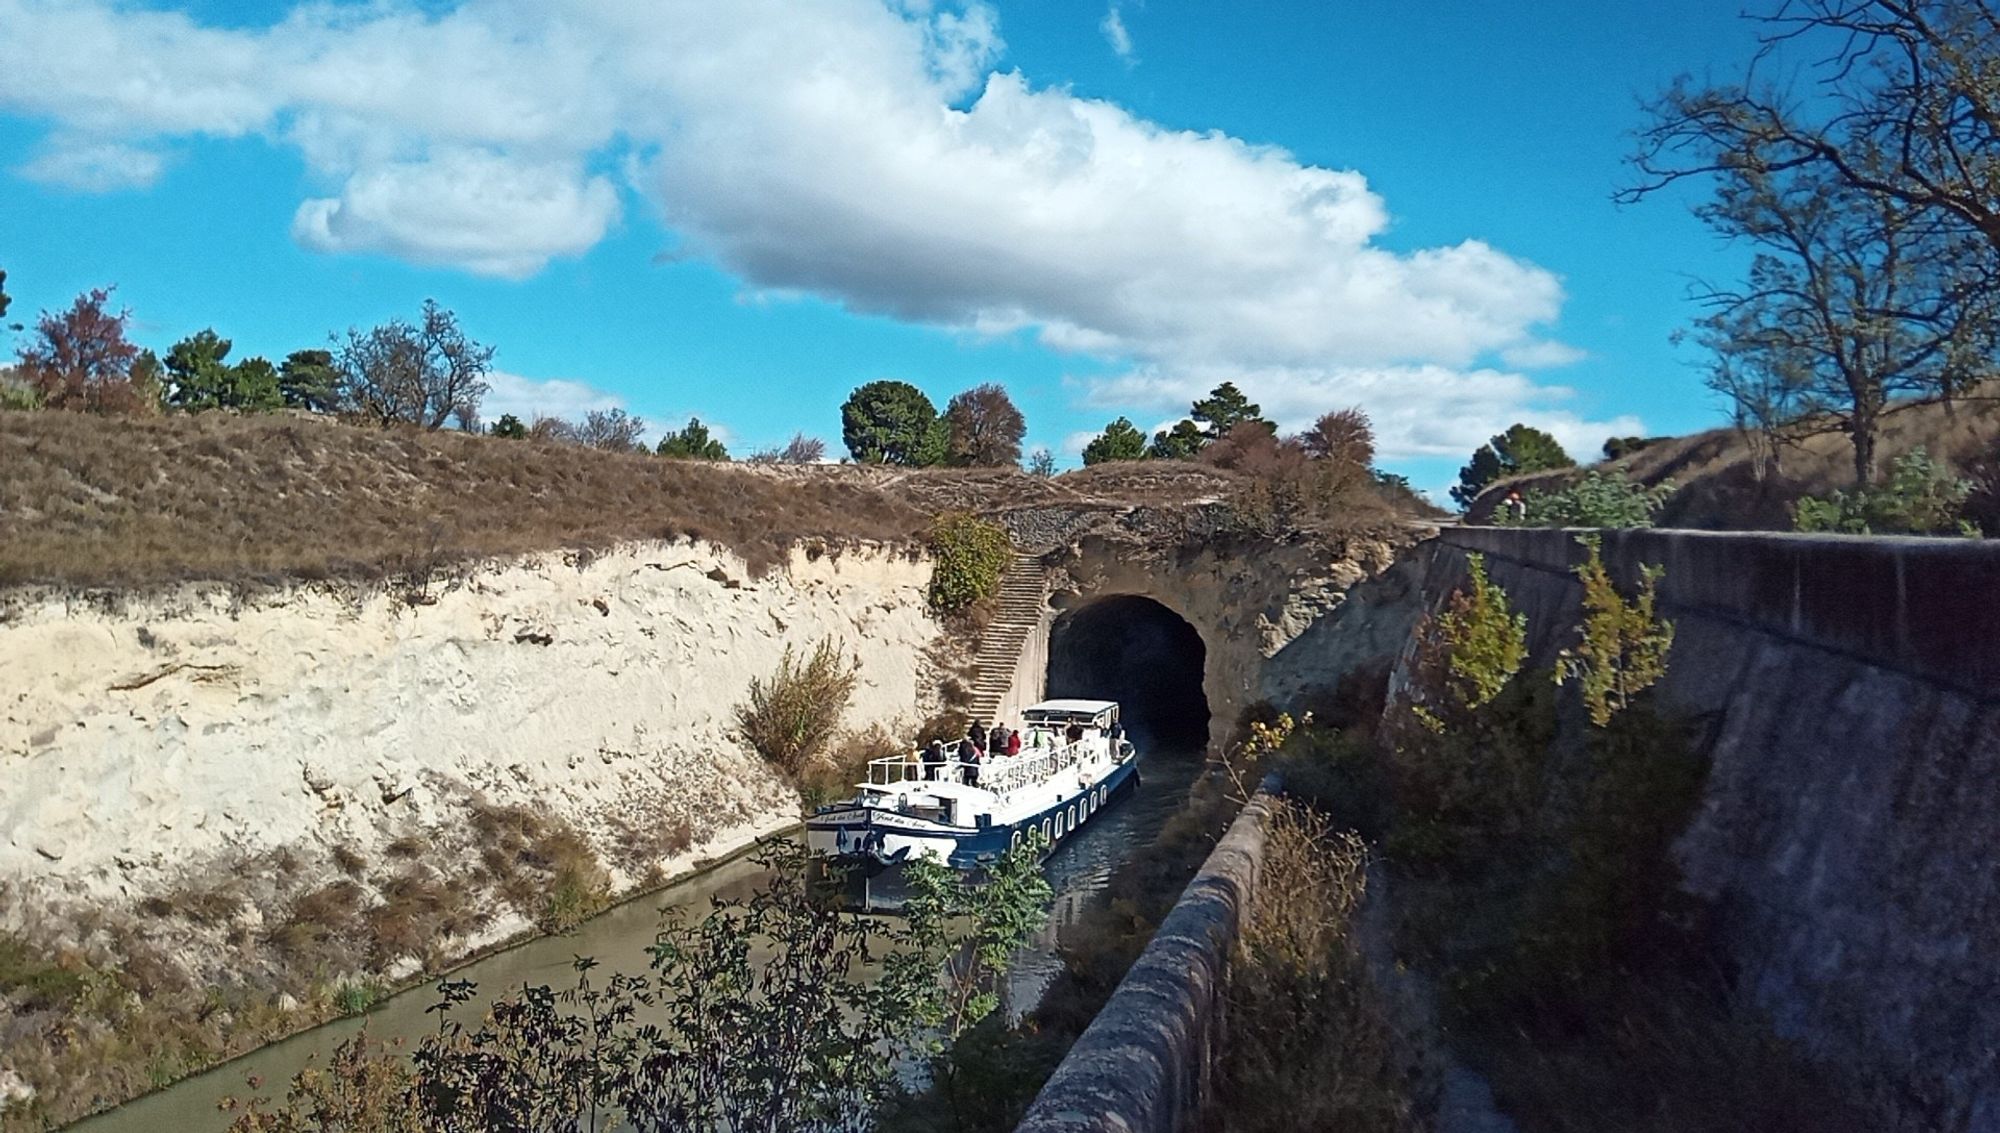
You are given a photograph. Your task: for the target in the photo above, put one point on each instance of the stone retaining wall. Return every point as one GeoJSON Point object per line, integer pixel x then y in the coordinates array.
{"type": "Point", "coordinates": [1847, 692]}
{"type": "Point", "coordinates": [1147, 1062]}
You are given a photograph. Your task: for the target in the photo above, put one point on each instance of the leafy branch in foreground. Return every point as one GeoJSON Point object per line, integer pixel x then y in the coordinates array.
{"type": "Point", "coordinates": [761, 1017]}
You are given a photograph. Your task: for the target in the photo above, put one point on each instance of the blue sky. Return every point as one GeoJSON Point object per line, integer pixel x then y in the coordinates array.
{"type": "Point", "coordinates": [743, 211]}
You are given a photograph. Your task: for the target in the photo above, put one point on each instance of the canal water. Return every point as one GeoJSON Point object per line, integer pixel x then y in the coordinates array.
{"type": "Point", "coordinates": [1079, 871]}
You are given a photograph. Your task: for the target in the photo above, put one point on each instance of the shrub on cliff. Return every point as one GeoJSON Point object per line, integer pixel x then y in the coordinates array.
{"type": "Point", "coordinates": [968, 556]}
{"type": "Point", "coordinates": [1919, 498]}
{"type": "Point", "coordinates": [1596, 500]}
{"type": "Point", "coordinates": [791, 717]}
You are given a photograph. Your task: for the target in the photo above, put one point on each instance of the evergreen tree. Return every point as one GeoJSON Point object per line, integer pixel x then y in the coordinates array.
{"type": "Point", "coordinates": [692, 443]}
{"type": "Point", "coordinates": [1183, 442]}
{"type": "Point", "coordinates": [1522, 448]}
{"type": "Point", "coordinates": [1223, 409]}
{"type": "Point", "coordinates": [509, 427]}
{"type": "Point", "coordinates": [890, 422]}
{"type": "Point", "coordinates": [200, 376]}
{"type": "Point", "coordinates": [308, 379]}
{"type": "Point", "coordinates": [1120, 440]}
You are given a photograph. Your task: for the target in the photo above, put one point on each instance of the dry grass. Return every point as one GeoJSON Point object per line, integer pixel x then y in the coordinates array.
{"type": "Point", "coordinates": [1312, 1045]}
{"type": "Point", "coordinates": [544, 868]}
{"type": "Point", "coordinates": [110, 501]}
{"type": "Point", "coordinates": [123, 501]}
{"type": "Point", "coordinates": [420, 915]}
{"type": "Point", "coordinates": [1716, 486]}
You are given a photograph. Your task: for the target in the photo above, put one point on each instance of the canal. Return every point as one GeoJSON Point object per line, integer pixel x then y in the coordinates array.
{"type": "Point", "coordinates": [1078, 871]}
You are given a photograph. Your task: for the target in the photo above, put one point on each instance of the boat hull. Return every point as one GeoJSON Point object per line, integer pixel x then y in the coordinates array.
{"type": "Point", "coordinates": [870, 845]}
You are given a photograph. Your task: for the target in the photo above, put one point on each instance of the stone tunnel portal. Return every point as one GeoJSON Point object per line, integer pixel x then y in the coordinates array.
{"type": "Point", "coordinates": [1131, 649]}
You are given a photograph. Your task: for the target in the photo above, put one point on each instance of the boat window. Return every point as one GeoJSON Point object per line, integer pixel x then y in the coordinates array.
{"type": "Point", "coordinates": [1072, 815]}
{"type": "Point", "coordinates": [1016, 843]}
{"type": "Point", "coordinates": [1045, 829]}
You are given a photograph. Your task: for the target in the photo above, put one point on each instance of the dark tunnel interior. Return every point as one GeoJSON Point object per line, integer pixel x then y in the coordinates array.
{"type": "Point", "coordinates": [1144, 656]}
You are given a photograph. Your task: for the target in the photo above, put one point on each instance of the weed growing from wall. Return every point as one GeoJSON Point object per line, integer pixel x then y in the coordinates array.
{"type": "Point", "coordinates": [1624, 645]}
{"type": "Point", "coordinates": [1467, 654]}
{"type": "Point", "coordinates": [968, 556]}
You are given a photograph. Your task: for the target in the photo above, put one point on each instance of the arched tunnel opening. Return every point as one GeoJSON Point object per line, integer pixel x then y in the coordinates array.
{"type": "Point", "coordinates": [1133, 650]}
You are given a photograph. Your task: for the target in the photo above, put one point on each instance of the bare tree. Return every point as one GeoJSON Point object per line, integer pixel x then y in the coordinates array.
{"type": "Point", "coordinates": [1345, 436]}
{"type": "Point", "coordinates": [802, 449]}
{"type": "Point", "coordinates": [983, 428]}
{"type": "Point", "coordinates": [1907, 108]}
{"type": "Point", "coordinates": [1870, 206]}
{"type": "Point", "coordinates": [552, 430]}
{"type": "Point", "coordinates": [1855, 308]}
{"type": "Point", "coordinates": [421, 375]}
{"type": "Point", "coordinates": [613, 430]}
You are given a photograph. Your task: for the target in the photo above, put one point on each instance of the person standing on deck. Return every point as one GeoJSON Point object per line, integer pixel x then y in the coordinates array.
{"type": "Point", "coordinates": [933, 759]}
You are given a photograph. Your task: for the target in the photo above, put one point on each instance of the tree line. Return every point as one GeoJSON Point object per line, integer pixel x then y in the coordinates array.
{"type": "Point", "coordinates": [427, 373]}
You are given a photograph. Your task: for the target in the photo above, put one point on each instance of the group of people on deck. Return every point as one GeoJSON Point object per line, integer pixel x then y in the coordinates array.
{"type": "Point", "coordinates": [977, 746]}
{"type": "Point", "coordinates": [980, 745]}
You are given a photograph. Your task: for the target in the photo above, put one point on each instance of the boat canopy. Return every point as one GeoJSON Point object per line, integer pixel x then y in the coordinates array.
{"type": "Point", "coordinates": [1100, 713]}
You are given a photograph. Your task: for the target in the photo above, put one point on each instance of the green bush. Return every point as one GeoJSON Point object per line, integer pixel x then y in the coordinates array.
{"type": "Point", "coordinates": [790, 718]}
{"type": "Point", "coordinates": [1919, 498]}
{"type": "Point", "coordinates": [968, 556]}
{"type": "Point", "coordinates": [1596, 500]}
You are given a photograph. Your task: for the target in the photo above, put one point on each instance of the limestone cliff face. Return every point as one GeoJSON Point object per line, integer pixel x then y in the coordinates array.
{"type": "Point", "coordinates": [143, 736]}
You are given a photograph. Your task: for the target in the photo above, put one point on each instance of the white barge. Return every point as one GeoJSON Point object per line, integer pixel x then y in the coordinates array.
{"type": "Point", "coordinates": [1072, 763]}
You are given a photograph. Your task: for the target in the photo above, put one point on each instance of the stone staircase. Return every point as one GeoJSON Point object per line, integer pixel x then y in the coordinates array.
{"type": "Point", "coordinates": [1024, 592]}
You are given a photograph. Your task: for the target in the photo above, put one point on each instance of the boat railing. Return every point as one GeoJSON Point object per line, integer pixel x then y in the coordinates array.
{"type": "Point", "coordinates": [999, 774]}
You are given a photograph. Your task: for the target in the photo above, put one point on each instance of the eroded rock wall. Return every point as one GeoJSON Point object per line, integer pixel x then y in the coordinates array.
{"type": "Point", "coordinates": [141, 737]}
{"type": "Point", "coordinates": [1281, 620]}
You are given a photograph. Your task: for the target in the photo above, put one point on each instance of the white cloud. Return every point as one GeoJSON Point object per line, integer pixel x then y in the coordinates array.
{"type": "Point", "coordinates": [476, 210]}
{"type": "Point", "coordinates": [1115, 33]}
{"type": "Point", "coordinates": [93, 166]}
{"type": "Point", "coordinates": [862, 151]}
{"type": "Point", "coordinates": [1542, 355]}
{"type": "Point", "coordinates": [529, 398]}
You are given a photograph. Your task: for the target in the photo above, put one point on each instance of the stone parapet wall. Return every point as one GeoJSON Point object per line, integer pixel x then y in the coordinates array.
{"type": "Point", "coordinates": [1147, 1062]}
{"type": "Point", "coordinates": [1929, 608]}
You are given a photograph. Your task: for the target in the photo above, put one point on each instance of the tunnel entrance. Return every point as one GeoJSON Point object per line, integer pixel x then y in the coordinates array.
{"type": "Point", "coordinates": [1137, 652]}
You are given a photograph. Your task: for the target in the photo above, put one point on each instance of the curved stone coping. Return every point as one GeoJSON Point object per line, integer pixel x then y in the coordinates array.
{"type": "Point", "coordinates": [1144, 1064]}
{"type": "Point", "coordinates": [1929, 607]}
